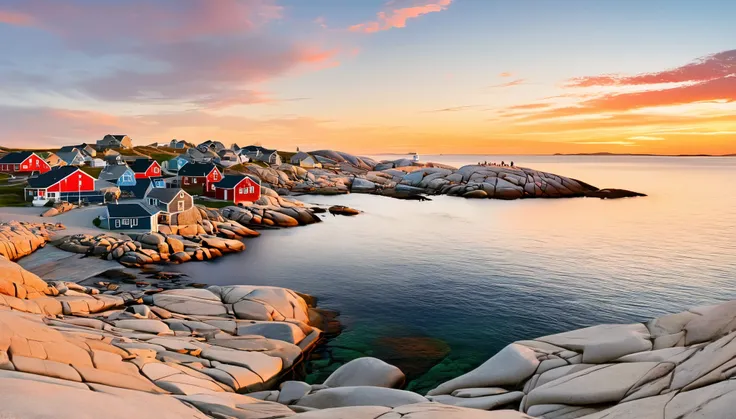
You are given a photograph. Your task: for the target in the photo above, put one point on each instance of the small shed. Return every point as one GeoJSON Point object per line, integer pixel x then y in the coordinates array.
{"type": "Point", "coordinates": [131, 216]}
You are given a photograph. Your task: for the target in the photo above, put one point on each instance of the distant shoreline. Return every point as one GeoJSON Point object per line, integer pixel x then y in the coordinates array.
{"type": "Point", "coordinates": [602, 154]}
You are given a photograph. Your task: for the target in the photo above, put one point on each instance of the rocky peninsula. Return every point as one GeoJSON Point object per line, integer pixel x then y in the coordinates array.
{"type": "Point", "coordinates": [234, 351]}
{"type": "Point", "coordinates": [405, 178]}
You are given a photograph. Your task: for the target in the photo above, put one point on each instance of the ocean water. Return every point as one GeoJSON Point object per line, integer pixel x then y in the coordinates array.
{"type": "Point", "coordinates": [439, 287]}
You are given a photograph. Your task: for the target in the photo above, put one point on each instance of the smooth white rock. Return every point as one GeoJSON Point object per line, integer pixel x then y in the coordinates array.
{"type": "Point", "coordinates": [366, 371]}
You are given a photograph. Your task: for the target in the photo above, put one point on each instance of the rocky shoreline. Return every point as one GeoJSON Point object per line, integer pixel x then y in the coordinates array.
{"type": "Point", "coordinates": [230, 351]}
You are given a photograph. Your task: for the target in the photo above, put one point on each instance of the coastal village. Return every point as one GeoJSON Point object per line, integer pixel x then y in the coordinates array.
{"type": "Point", "coordinates": [95, 321]}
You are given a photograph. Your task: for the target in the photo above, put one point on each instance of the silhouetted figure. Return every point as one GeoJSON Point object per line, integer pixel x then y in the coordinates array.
{"type": "Point", "coordinates": [503, 163]}
{"type": "Point", "coordinates": [512, 164]}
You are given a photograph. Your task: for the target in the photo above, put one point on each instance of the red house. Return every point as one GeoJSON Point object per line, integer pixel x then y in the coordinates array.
{"type": "Point", "coordinates": [145, 168]}
{"type": "Point", "coordinates": [238, 188]}
{"type": "Point", "coordinates": [205, 174]}
{"type": "Point", "coordinates": [58, 183]}
{"type": "Point", "coordinates": [23, 162]}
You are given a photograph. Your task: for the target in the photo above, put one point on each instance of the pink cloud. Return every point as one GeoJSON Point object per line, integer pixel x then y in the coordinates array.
{"type": "Point", "coordinates": [505, 74]}
{"type": "Point", "coordinates": [15, 18]}
{"type": "Point", "coordinates": [143, 20]}
{"type": "Point", "coordinates": [703, 69]}
{"type": "Point", "coordinates": [397, 18]}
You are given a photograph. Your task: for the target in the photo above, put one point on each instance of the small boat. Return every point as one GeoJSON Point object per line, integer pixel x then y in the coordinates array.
{"type": "Point", "coordinates": [39, 201]}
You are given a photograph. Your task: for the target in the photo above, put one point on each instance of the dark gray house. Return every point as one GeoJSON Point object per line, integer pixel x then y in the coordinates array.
{"type": "Point", "coordinates": [258, 153]}
{"type": "Point", "coordinates": [114, 141]}
{"type": "Point", "coordinates": [131, 216]}
{"type": "Point", "coordinates": [171, 200]}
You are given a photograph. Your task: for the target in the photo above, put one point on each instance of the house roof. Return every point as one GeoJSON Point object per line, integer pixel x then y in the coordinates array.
{"type": "Point", "coordinates": [51, 177]}
{"type": "Point", "coordinates": [225, 152]}
{"type": "Point", "coordinates": [300, 156]}
{"type": "Point", "coordinates": [196, 169]}
{"type": "Point", "coordinates": [131, 210]}
{"type": "Point", "coordinates": [231, 181]}
{"type": "Point", "coordinates": [165, 194]}
{"type": "Point", "coordinates": [140, 188]}
{"type": "Point", "coordinates": [118, 137]}
{"type": "Point", "coordinates": [141, 165]}
{"type": "Point", "coordinates": [69, 156]}
{"type": "Point", "coordinates": [16, 157]}
{"type": "Point", "coordinates": [113, 172]}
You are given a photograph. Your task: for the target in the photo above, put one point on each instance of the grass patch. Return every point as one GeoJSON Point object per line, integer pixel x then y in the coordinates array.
{"type": "Point", "coordinates": [12, 196]}
{"type": "Point", "coordinates": [92, 171]}
{"type": "Point", "coordinates": [213, 204]}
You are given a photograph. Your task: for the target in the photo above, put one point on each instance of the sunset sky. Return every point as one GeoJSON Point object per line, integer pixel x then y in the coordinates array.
{"type": "Point", "coordinates": [374, 76]}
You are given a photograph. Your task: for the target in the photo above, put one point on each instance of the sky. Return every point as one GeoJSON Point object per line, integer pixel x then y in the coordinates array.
{"type": "Point", "coordinates": [374, 76]}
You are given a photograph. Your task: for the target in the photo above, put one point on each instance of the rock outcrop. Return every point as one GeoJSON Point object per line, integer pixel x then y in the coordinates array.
{"type": "Point", "coordinates": [136, 250]}
{"type": "Point", "coordinates": [675, 366]}
{"type": "Point", "coordinates": [18, 239]}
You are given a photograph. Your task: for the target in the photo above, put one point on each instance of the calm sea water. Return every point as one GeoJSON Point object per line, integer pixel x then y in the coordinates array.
{"type": "Point", "coordinates": [438, 287]}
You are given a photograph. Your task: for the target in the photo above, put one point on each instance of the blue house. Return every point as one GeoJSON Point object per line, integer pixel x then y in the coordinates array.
{"type": "Point", "coordinates": [177, 163]}
{"type": "Point", "coordinates": [119, 174]}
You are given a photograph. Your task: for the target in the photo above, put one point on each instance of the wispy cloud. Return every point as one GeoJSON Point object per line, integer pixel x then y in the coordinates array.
{"type": "Point", "coordinates": [505, 74]}
{"type": "Point", "coordinates": [645, 138]}
{"type": "Point", "coordinates": [397, 17]}
{"type": "Point", "coordinates": [626, 143]}
{"type": "Point", "coordinates": [512, 83]}
{"type": "Point", "coordinates": [456, 109]}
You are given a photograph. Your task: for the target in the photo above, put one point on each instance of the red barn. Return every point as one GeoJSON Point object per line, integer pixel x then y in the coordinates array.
{"type": "Point", "coordinates": [145, 168]}
{"type": "Point", "coordinates": [238, 188]}
{"type": "Point", "coordinates": [60, 182]}
{"type": "Point", "coordinates": [23, 162]}
{"type": "Point", "coordinates": [205, 174]}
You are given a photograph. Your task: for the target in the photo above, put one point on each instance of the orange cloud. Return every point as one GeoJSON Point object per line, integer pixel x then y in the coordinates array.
{"type": "Point", "coordinates": [397, 18]}
{"type": "Point", "coordinates": [505, 74]}
{"type": "Point", "coordinates": [703, 69]}
{"type": "Point", "coordinates": [15, 18]}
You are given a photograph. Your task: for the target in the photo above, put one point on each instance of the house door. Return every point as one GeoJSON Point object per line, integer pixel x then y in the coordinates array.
{"type": "Point", "coordinates": [180, 206]}
{"type": "Point", "coordinates": [225, 194]}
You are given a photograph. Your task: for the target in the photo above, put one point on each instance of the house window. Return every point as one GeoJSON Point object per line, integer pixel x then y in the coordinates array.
{"type": "Point", "coordinates": [17, 167]}
{"type": "Point", "coordinates": [212, 188]}
{"type": "Point", "coordinates": [117, 223]}
{"type": "Point", "coordinates": [38, 163]}
{"type": "Point", "coordinates": [180, 205]}
{"type": "Point", "coordinates": [181, 194]}
{"type": "Point", "coordinates": [194, 180]}
{"type": "Point", "coordinates": [214, 176]}
{"type": "Point", "coordinates": [155, 170]}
